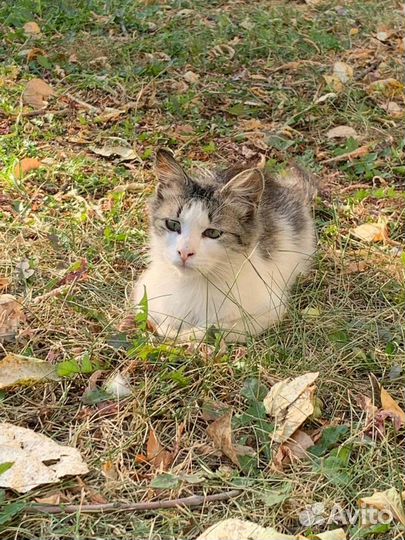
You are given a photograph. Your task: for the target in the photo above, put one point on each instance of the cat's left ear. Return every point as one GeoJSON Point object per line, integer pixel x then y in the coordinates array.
{"type": "Point", "coordinates": [246, 187]}
{"type": "Point", "coordinates": [170, 174]}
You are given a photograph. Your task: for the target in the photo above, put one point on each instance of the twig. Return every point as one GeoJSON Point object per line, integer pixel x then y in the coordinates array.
{"type": "Point", "coordinates": [52, 294]}
{"type": "Point", "coordinates": [194, 500]}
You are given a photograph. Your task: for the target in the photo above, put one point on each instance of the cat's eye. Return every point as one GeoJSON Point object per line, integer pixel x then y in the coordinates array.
{"type": "Point", "coordinates": [173, 225]}
{"type": "Point", "coordinates": [212, 233]}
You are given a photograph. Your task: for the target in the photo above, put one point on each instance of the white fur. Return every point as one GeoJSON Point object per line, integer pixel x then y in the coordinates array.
{"type": "Point", "coordinates": [241, 295]}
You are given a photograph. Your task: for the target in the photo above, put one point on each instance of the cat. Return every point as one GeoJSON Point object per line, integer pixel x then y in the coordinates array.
{"type": "Point", "coordinates": [225, 249]}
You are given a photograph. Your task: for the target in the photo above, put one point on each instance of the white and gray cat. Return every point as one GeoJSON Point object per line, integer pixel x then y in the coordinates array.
{"type": "Point", "coordinates": [225, 249]}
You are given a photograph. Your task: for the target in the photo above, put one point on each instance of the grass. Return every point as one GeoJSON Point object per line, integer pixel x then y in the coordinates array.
{"type": "Point", "coordinates": [257, 87]}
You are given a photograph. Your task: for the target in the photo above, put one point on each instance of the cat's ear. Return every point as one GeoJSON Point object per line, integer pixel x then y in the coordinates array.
{"type": "Point", "coordinates": [169, 173]}
{"type": "Point", "coordinates": [246, 187]}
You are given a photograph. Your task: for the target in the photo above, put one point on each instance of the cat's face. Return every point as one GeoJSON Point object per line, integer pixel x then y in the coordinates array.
{"type": "Point", "coordinates": [200, 223]}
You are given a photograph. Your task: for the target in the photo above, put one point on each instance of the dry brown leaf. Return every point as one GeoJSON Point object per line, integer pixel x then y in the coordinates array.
{"type": "Point", "coordinates": [31, 29]}
{"type": "Point", "coordinates": [394, 110]}
{"type": "Point", "coordinates": [341, 132]}
{"type": "Point", "coordinates": [124, 152]}
{"type": "Point", "coordinates": [291, 402]}
{"type": "Point", "coordinates": [34, 53]}
{"type": "Point", "coordinates": [36, 93]}
{"type": "Point", "coordinates": [191, 77]}
{"type": "Point", "coordinates": [26, 165]}
{"type": "Point", "coordinates": [389, 404]}
{"type": "Point", "coordinates": [109, 470]}
{"type": "Point", "coordinates": [372, 232]}
{"type": "Point", "coordinates": [11, 316]}
{"type": "Point", "coordinates": [294, 449]}
{"type": "Point", "coordinates": [388, 501]}
{"type": "Point", "coordinates": [36, 459]}
{"type": "Point", "coordinates": [5, 282]}
{"type": "Point", "coordinates": [234, 528]}
{"type": "Point", "coordinates": [156, 455]}
{"type": "Point", "coordinates": [356, 267]}
{"type": "Point", "coordinates": [342, 71]}
{"type": "Point", "coordinates": [55, 498]}
{"type": "Point", "coordinates": [22, 370]}
{"type": "Point", "coordinates": [220, 432]}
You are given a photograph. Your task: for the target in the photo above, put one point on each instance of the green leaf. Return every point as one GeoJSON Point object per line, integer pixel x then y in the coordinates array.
{"type": "Point", "coordinates": [68, 368]}
{"type": "Point", "coordinates": [8, 511]}
{"type": "Point", "coordinates": [141, 317]}
{"type": "Point", "coordinates": [96, 396]}
{"type": "Point", "coordinates": [330, 437]}
{"type": "Point", "coordinates": [6, 466]}
{"type": "Point", "coordinates": [165, 481]}
{"type": "Point", "coordinates": [272, 497]}
{"type": "Point", "coordinates": [254, 390]}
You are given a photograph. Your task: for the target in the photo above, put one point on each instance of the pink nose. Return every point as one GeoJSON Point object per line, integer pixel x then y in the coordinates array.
{"type": "Point", "coordinates": [185, 254]}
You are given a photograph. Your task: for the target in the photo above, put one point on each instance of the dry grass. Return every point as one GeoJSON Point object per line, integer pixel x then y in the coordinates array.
{"type": "Point", "coordinates": [72, 210]}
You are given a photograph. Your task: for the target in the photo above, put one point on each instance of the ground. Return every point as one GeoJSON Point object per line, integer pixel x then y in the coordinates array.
{"type": "Point", "coordinates": [216, 82]}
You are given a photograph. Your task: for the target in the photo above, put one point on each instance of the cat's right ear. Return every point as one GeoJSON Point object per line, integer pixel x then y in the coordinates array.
{"type": "Point", "coordinates": [169, 173]}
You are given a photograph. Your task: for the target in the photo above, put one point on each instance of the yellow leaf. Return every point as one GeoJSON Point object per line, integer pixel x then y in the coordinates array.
{"type": "Point", "coordinates": [36, 93]}
{"type": "Point", "coordinates": [336, 534]}
{"type": "Point", "coordinates": [387, 87]}
{"type": "Point", "coordinates": [334, 82]}
{"type": "Point", "coordinates": [388, 403]}
{"type": "Point", "coordinates": [371, 232]}
{"type": "Point", "coordinates": [31, 28]}
{"type": "Point", "coordinates": [26, 165]}
{"type": "Point", "coordinates": [22, 370]}
{"type": "Point", "coordinates": [387, 501]}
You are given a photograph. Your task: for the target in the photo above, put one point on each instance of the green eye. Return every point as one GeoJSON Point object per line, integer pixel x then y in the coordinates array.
{"type": "Point", "coordinates": [212, 233]}
{"type": "Point", "coordinates": [173, 225]}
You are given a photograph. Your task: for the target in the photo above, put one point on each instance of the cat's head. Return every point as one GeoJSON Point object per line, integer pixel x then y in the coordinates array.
{"type": "Point", "coordinates": [200, 222]}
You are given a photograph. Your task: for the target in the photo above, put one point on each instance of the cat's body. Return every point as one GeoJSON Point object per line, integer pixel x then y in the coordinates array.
{"type": "Point", "coordinates": [225, 250]}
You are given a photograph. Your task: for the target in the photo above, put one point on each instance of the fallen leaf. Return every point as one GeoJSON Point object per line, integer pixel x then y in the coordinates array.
{"type": "Point", "coordinates": [36, 93]}
{"type": "Point", "coordinates": [220, 432]}
{"type": "Point", "coordinates": [389, 404]}
{"type": "Point", "coordinates": [394, 110]}
{"type": "Point", "coordinates": [372, 232]}
{"type": "Point", "coordinates": [109, 470]}
{"type": "Point", "coordinates": [387, 87]}
{"type": "Point", "coordinates": [33, 53]}
{"type": "Point", "coordinates": [341, 132]}
{"type": "Point", "coordinates": [165, 481]}
{"type": "Point", "coordinates": [118, 386]}
{"type": "Point", "coordinates": [55, 498]}
{"type": "Point", "coordinates": [11, 315]}
{"type": "Point", "coordinates": [22, 370]}
{"type": "Point", "coordinates": [191, 77]}
{"type": "Point", "coordinates": [294, 449]}
{"type": "Point", "coordinates": [76, 272]}
{"type": "Point", "coordinates": [124, 152]}
{"type": "Point", "coordinates": [387, 501]}
{"type": "Point", "coordinates": [234, 528]}
{"type": "Point", "coordinates": [30, 454]}
{"type": "Point", "coordinates": [356, 267]}
{"type": "Point", "coordinates": [342, 71]}
{"type": "Point", "coordinates": [213, 410]}
{"type": "Point", "coordinates": [156, 455]}
{"type": "Point", "coordinates": [24, 268]}
{"type": "Point", "coordinates": [290, 402]}
{"type": "Point", "coordinates": [26, 165]}
{"type": "Point", "coordinates": [5, 282]}
{"type": "Point", "coordinates": [31, 28]}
